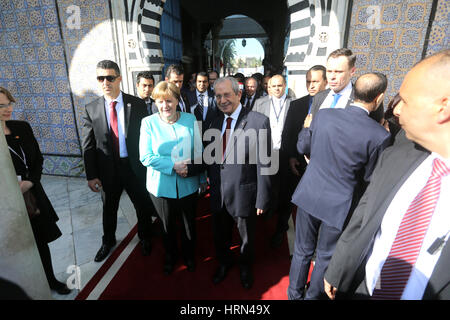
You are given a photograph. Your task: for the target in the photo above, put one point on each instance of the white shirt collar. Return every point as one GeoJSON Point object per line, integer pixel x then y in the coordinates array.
{"type": "Point", "coordinates": [235, 114]}
{"type": "Point", "coordinates": [119, 99]}
{"type": "Point", "coordinates": [346, 91]}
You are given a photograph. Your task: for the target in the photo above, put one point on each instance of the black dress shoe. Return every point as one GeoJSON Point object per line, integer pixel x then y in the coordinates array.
{"type": "Point", "coordinates": [60, 287]}
{"type": "Point", "coordinates": [190, 264]}
{"type": "Point", "coordinates": [221, 273]}
{"type": "Point", "coordinates": [146, 247]}
{"type": "Point", "coordinates": [246, 278]}
{"type": "Point", "coordinates": [103, 252]}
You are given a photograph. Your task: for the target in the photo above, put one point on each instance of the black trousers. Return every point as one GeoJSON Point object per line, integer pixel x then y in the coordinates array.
{"type": "Point", "coordinates": [124, 178]}
{"type": "Point", "coordinates": [223, 224]}
{"type": "Point", "coordinates": [170, 210]}
{"type": "Point", "coordinates": [283, 186]}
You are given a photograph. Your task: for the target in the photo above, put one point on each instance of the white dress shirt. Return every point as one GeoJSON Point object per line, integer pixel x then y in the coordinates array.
{"type": "Point", "coordinates": [234, 116]}
{"type": "Point", "coordinates": [120, 122]}
{"type": "Point", "coordinates": [438, 227]}
{"type": "Point", "coordinates": [277, 112]}
{"type": "Point", "coordinates": [342, 102]}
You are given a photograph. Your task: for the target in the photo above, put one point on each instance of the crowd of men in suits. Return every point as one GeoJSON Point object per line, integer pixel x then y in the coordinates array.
{"type": "Point", "coordinates": [332, 165]}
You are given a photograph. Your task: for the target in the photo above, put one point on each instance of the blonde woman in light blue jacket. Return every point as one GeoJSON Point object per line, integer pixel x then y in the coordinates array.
{"type": "Point", "coordinates": [168, 139]}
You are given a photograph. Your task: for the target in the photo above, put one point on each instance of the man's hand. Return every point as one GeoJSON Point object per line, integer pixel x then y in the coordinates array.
{"type": "Point", "coordinates": [308, 120]}
{"type": "Point", "coordinates": [329, 289]}
{"type": "Point", "coordinates": [259, 212]}
{"type": "Point", "coordinates": [25, 185]}
{"type": "Point", "coordinates": [293, 163]}
{"type": "Point", "coordinates": [95, 185]}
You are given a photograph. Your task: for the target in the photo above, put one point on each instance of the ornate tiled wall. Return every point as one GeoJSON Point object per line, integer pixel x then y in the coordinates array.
{"type": "Point", "coordinates": [388, 36]}
{"type": "Point", "coordinates": [440, 31]}
{"type": "Point", "coordinates": [33, 68]}
{"type": "Point", "coordinates": [36, 50]}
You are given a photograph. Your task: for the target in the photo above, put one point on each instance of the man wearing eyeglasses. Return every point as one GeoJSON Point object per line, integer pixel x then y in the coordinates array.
{"type": "Point", "coordinates": [110, 142]}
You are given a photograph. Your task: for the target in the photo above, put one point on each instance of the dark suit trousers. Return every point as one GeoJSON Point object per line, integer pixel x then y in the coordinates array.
{"type": "Point", "coordinates": [169, 210]}
{"type": "Point", "coordinates": [124, 178]}
{"type": "Point", "coordinates": [307, 239]}
{"type": "Point", "coordinates": [223, 224]}
{"type": "Point", "coordinates": [283, 186]}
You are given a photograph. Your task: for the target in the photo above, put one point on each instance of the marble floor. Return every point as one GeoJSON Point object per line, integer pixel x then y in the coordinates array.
{"type": "Point", "coordinates": [80, 220]}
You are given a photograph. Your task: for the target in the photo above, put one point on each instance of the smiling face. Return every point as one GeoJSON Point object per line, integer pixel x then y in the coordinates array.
{"type": "Point", "coordinates": [227, 100]}
{"type": "Point", "coordinates": [167, 107]}
{"type": "Point", "coordinates": [339, 73]}
{"type": "Point", "coordinates": [110, 89]}
{"type": "Point", "coordinates": [202, 83]}
{"type": "Point", "coordinates": [6, 108]}
{"type": "Point", "coordinates": [277, 86]}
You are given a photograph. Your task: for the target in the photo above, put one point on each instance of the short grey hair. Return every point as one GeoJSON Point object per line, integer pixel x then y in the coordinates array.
{"type": "Point", "coordinates": [234, 83]}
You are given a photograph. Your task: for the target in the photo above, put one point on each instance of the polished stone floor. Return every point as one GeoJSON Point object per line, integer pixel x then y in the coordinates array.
{"type": "Point", "coordinates": [80, 221]}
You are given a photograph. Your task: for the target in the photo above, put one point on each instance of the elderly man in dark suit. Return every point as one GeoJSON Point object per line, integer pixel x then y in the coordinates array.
{"type": "Point", "coordinates": [326, 191]}
{"type": "Point", "coordinates": [251, 93]}
{"type": "Point", "coordinates": [406, 199]}
{"type": "Point", "coordinates": [239, 174]}
{"type": "Point", "coordinates": [110, 142]}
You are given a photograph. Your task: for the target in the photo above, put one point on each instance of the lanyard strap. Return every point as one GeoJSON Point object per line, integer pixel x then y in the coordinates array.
{"type": "Point", "coordinates": [23, 158]}
{"type": "Point", "coordinates": [281, 109]}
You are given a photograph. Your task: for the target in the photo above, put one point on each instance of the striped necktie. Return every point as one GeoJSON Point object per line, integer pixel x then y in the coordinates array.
{"type": "Point", "coordinates": [199, 108]}
{"type": "Point", "coordinates": [114, 128]}
{"type": "Point", "coordinates": [408, 241]}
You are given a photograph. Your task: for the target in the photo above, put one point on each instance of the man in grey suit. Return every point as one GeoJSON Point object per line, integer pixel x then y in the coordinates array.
{"type": "Point", "coordinates": [326, 192]}
{"type": "Point", "coordinates": [110, 142]}
{"type": "Point", "coordinates": [358, 268]}
{"type": "Point", "coordinates": [276, 107]}
{"type": "Point", "coordinates": [238, 175]}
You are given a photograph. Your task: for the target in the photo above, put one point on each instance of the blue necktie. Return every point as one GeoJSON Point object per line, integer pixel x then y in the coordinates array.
{"type": "Point", "coordinates": [335, 100]}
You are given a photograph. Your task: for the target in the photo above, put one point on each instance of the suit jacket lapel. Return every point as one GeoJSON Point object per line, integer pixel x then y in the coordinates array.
{"type": "Point", "coordinates": [440, 276]}
{"type": "Point", "coordinates": [287, 106]}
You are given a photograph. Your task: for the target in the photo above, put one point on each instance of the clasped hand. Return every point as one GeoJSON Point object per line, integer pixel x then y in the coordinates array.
{"type": "Point", "coordinates": [181, 168]}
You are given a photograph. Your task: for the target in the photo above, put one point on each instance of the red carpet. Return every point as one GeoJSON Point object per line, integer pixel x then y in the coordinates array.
{"type": "Point", "coordinates": [142, 277]}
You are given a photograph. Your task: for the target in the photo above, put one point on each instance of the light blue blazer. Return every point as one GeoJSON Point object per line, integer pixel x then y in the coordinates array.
{"type": "Point", "coordinates": [161, 145]}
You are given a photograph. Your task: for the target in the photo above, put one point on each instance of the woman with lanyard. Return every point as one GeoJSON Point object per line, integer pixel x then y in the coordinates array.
{"type": "Point", "coordinates": [27, 159]}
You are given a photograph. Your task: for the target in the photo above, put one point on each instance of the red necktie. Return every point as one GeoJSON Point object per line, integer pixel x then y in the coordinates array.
{"type": "Point", "coordinates": [225, 136]}
{"type": "Point", "coordinates": [408, 241]}
{"type": "Point", "coordinates": [114, 128]}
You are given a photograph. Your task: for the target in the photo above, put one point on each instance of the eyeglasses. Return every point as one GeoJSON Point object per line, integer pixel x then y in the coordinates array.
{"type": "Point", "coordinates": [109, 78]}
{"type": "Point", "coordinates": [11, 104]}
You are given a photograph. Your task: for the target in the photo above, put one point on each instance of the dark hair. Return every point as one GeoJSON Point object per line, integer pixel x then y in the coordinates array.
{"type": "Point", "coordinates": [369, 86]}
{"type": "Point", "coordinates": [108, 64]}
{"type": "Point", "coordinates": [203, 74]}
{"type": "Point", "coordinates": [214, 71]}
{"type": "Point", "coordinates": [258, 76]}
{"type": "Point", "coordinates": [391, 106]}
{"type": "Point", "coordinates": [175, 68]}
{"type": "Point", "coordinates": [319, 67]}
{"type": "Point", "coordinates": [146, 75]}
{"type": "Point", "coordinates": [346, 53]}
{"type": "Point", "coordinates": [240, 77]}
